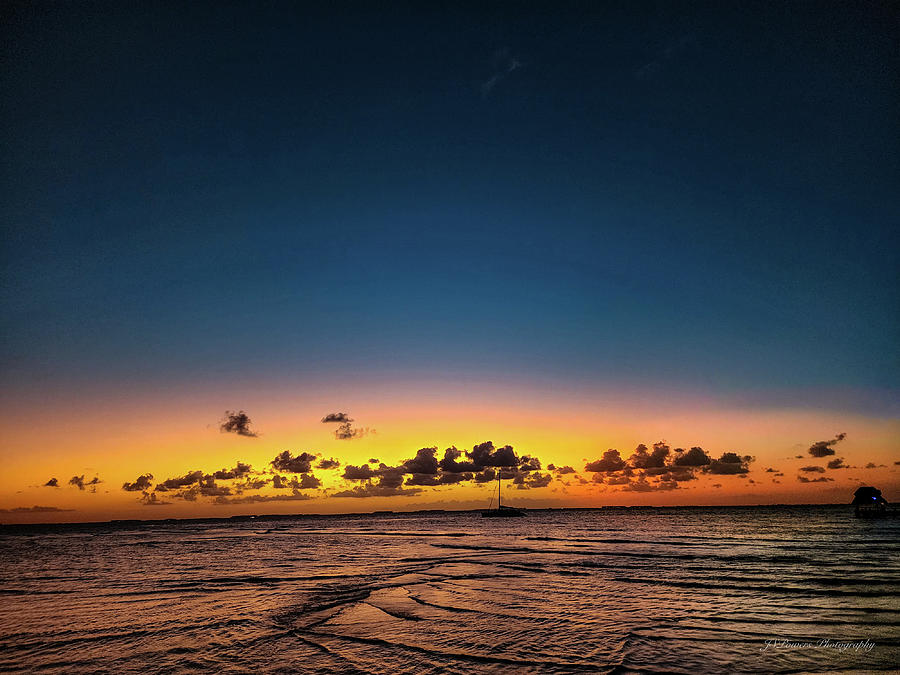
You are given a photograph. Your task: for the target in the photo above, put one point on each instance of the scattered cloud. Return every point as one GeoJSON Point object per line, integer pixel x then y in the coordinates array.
{"type": "Point", "coordinates": [812, 469]}
{"type": "Point", "coordinates": [140, 483]}
{"type": "Point", "coordinates": [339, 417]}
{"type": "Point", "coordinates": [327, 464]}
{"type": "Point", "coordinates": [373, 490]}
{"type": "Point", "coordinates": [821, 479]}
{"type": "Point", "coordinates": [302, 463]}
{"type": "Point", "coordinates": [694, 457]}
{"type": "Point", "coordinates": [35, 509]}
{"type": "Point", "coordinates": [179, 482]}
{"type": "Point", "coordinates": [152, 499]}
{"type": "Point", "coordinates": [610, 462]}
{"type": "Point", "coordinates": [424, 462]}
{"type": "Point", "coordinates": [346, 432]}
{"type": "Point", "coordinates": [239, 471]}
{"type": "Point", "coordinates": [237, 423]}
{"type": "Point", "coordinates": [52, 483]}
{"type": "Point", "coordinates": [526, 481]}
{"type": "Point", "coordinates": [730, 463]}
{"type": "Point", "coordinates": [79, 482]}
{"type": "Point", "coordinates": [560, 470]}
{"type": "Point", "coordinates": [642, 459]}
{"type": "Point", "coordinates": [823, 448]}
{"type": "Point", "coordinates": [666, 467]}
{"type": "Point", "coordinates": [642, 485]}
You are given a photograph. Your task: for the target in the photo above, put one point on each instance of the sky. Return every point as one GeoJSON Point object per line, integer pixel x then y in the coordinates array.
{"type": "Point", "coordinates": [561, 227]}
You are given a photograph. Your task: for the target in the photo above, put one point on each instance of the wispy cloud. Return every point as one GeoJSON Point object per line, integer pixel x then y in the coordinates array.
{"type": "Point", "coordinates": [502, 64]}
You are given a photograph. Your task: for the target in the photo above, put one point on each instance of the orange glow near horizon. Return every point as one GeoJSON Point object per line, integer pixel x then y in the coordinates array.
{"type": "Point", "coordinates": [171, 436]}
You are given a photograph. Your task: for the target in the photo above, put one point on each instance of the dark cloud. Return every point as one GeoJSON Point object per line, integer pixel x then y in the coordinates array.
{"type": "Point", "coordinates": [837, 464]}
{"type": "Point", "coordinates": [730, 463]}
{"type": "Point", "coordinates": [526, 481]}
{"type": "Point", "coordinates": [251, 484]}
{"type": "Point", "coordinates": [812, 469]}
{"type": "Point", "coordinates": [307, 482]}
{"type": "Point", "coordinates": [35, 509]}
{"type": "Point", "coordinates": [678, 474]}
{"type": "Point", "coordinates": [338, 417]}
{"type": "Point", "coordinates": [442, 479]}
{"type": "Point", "coordinates": [326, 464]}
{"type": "Point", "coordinates": [611, 461]}
{"type": "Point", "coordinates": [363, 472]}
{"type": "Point", "coordinates": [642, 485]}
{"type": "Point", "coordinates": [450, 464]}
{"type": "Point", "coordinates": [642, 459]}
{"type": "Point", "coordinates": [52, 483]}
{"type": "Point", "coordinates": [484, 455]}
{"type": "Point", "coordinates": [823, 448]}
{"type": "Point", "coordinates": [696, 456]}
{"type": "Point", "coordinates": [873, 465]}
{"type": "Point", "coordinates": [486, 476]}
{"type": "Point", "coordinates": [205, 486]}
{"type": "Point", "coordinates": [529, 463]}
{"type": "Point", "coordinates": [239, 471]}
{"type": "Point", "coordinates": [771, 470]}
{"type": "Point", "coordinates": [140, 483]}
{"type": "Point", "coordinates": [346, 432]}
{"type": "Point", "coordinates": [302, 463]}
{"type": "Point", "coordinates": [237, 423]}
{"type": "Point", "coordinates": [79, 482]}
{"type": "Point", "coordinates": [372, 490]}
{"type": "Point", "coordinates": [561, 470]}
{"type": "Point", "coordinates": [822, 479]}
{"type": "Point", "coordinates": [151, 499]}
{"type": "Point", "coordinates": [180, 482]}
{"type": "Point", "coordinates": [424, 462]}
{"type": "Point", "coordinates": [373, 460]}
{"type": "Point", "coordinates": [390, 476]}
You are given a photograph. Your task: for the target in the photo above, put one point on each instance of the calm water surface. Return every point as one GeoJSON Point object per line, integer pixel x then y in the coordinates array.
{"type": "Point", "coordinates": [697, 590]}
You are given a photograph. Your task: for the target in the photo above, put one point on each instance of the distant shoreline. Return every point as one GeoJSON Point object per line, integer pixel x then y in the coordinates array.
{"type": "Point", "coordinates": [6, 527]}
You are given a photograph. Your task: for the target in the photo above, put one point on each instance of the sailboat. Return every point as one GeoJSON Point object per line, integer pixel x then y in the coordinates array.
{"type": "Point", "coordinates": [501, 511]}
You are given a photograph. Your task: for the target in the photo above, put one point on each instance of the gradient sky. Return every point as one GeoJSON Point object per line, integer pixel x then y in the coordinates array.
{"type": "Point", "coordinates": [564, 227]}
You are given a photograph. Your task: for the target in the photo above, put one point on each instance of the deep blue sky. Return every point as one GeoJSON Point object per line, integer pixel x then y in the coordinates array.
{"type": "Point", "coordinates": [687, 195]}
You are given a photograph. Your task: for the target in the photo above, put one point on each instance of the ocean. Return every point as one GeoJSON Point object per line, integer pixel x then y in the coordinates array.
{"type": "Point", "coordinates": [805, 589]}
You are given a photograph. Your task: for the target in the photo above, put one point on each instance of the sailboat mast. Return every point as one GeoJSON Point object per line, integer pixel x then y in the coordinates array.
{"type": "Point", "coordinates": [498, 488]}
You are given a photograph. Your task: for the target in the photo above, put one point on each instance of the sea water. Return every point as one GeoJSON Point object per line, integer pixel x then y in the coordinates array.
{"type": "Point", "coordinates": [676, 590]}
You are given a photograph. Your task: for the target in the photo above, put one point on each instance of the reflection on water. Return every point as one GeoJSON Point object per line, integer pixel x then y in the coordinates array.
{"type": "Point", "coordinates": [613, 590]}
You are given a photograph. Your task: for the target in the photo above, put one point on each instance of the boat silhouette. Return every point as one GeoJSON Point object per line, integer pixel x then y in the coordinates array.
{"type": "Point", "coordinates": [501, 511]}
